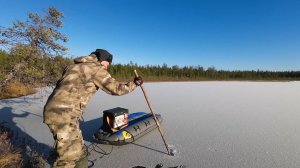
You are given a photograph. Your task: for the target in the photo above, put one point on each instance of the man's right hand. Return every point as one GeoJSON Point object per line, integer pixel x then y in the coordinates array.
{"type": "Point", "coordinates": [138, 81]}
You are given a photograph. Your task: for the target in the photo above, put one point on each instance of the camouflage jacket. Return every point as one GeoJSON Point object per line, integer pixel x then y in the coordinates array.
{"type": "Point", "coordinates": [75, 88]}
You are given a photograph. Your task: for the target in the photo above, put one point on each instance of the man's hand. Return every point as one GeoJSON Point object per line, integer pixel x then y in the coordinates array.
{"type": "Point", "coordinates": [138, 81]}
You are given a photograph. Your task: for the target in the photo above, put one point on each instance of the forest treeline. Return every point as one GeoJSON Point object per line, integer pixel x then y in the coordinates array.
{"type": "Point", "coordinates": [47, 70]}
{"type": "Point", "coordinates": [196, 73]}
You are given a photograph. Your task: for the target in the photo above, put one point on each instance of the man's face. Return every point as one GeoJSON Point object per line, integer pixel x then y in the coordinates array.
{"type": "Point", "coordinates": [105, 64]}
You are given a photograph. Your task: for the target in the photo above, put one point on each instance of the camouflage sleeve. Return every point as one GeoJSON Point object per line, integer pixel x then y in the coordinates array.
{"type": "Point", "coordinates": [110, 85]}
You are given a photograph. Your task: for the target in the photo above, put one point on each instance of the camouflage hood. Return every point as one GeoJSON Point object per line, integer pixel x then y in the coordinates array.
{"type": "Point", "coordinates": [84, 59]}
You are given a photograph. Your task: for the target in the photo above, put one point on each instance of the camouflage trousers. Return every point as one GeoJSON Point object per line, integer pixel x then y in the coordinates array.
{"type": "Point", "coordinates": [68, 144]}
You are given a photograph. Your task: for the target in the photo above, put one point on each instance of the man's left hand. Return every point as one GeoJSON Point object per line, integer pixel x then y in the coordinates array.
{"type": "Point", "coordinates": [138, 81]}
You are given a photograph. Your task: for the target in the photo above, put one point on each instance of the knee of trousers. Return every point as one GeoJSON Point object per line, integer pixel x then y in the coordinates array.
{"type": "Point", "coordinates": [68, 141]}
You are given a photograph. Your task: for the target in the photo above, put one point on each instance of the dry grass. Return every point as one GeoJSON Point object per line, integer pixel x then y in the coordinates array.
{"type": "Point", "coordinates": [11, 159]}
{"type": "Point", "coordinates": [16, 89]}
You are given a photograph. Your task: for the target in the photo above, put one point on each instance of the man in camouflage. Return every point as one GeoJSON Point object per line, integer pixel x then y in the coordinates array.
{"type": "Point", "coordinates": [65, 105]}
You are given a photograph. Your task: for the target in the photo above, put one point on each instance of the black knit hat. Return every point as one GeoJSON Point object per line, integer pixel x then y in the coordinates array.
{"type": "Point", "coordinates": [103, 55]}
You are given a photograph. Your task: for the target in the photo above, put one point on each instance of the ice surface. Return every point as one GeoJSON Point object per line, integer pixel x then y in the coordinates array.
{"type": "Point", "coordinates": [210, 124]}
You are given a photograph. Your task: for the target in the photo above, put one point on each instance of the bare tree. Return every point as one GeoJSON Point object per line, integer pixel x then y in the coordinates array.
{"type": "Point", "coordinates": [32, 42]}
{"type": "Point", "coordinates": [39, 34]}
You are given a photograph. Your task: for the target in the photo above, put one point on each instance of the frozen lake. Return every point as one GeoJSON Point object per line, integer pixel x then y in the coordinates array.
{"type": "Point", "coordinates": [210, 124]}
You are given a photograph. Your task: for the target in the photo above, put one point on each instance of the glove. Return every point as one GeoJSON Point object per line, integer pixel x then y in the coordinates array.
{"type": "Point", "coordinates": [138, 81]}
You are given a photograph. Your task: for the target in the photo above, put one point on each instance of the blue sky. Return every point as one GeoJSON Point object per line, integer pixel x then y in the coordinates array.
{"type": "Point", "coordinates": [226, 34]}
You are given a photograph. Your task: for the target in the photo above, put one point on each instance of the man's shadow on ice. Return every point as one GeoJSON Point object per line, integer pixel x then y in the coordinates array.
{"type": "Point", "coordinates": [21, 139]}
{"type": "Point", "coordinates": [88, 128]}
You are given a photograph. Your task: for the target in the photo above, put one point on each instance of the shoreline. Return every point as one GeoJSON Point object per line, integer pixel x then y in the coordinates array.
{"type": "Point", "coordinates": [222, 81]}
{"type": "Point", "coordinates": [29, 92]}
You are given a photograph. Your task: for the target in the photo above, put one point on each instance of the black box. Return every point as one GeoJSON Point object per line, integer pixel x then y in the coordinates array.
{"type": "Point", "coordinates": [115, 118]}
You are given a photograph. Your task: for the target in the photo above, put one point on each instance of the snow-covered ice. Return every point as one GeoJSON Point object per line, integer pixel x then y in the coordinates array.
{"type": "Point", "coordinates": [209, 124]}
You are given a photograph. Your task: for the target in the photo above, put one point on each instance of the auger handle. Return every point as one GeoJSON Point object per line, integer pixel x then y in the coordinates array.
{"type": "Point", "coordinates": [154, 116]}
